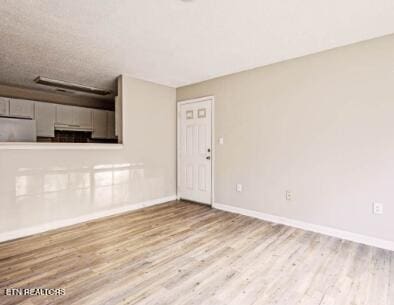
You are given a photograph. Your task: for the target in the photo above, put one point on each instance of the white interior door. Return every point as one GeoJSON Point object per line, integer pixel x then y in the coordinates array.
{"type": "Point", "coordinates": [195, 151]}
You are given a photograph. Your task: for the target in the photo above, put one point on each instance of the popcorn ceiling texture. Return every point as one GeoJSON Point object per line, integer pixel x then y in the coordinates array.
{"type": "Point", "coordinates": [172, 42]}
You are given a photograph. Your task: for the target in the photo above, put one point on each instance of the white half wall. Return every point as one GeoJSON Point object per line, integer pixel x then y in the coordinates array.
{"type": "Point", "coordinates": [41, 188]}
{"type": "Point", "coordinates": [321, 126]}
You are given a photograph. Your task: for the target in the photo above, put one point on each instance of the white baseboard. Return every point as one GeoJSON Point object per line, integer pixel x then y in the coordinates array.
{"type": "Point", "coordinates": [367, 240]}
{"type": "Point", "coordinates": [72, 221]}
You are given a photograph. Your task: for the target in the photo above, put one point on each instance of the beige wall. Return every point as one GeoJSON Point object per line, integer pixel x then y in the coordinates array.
{"type": "Point", "coordinates": [321, 126]}
{"type": "Point", "coordinates": [42, 186]}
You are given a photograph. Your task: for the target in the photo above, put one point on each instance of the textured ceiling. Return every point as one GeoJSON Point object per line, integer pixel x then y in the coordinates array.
{"type": "Point", "coordinates": [173, 42]}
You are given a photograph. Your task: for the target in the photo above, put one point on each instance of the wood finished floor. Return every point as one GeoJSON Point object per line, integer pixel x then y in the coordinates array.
{"type": "Point", "coordinates": [183, 253]}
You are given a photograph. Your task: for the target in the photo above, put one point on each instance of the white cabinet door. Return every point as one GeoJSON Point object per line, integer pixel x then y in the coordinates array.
{"type": "Point", "coordinates": [118, 118]}
{"type": "Point", "coordinates": [21, 108]}
{"type": "Point", "coordinates": [82, 117]}
{"type": "Point", "coordinates": [64, 115]}
{"type": "Point", "coordinates": [99, 124]}
{"type": "Point", "coordinates": [45, 119]}
{"type": "Point", "coordinates": [4, 106]}
{"type": "Point", "coordinates": [111, 125]}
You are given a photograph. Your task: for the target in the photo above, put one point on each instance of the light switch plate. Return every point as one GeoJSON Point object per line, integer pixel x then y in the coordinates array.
{"type": "Point", "coordinates": [377, 208]}
{"type": "Point", "coordinates": [221, 140]}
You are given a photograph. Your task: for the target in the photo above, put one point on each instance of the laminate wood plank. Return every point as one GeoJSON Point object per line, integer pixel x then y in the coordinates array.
{"type": "Point", "coordinates": [185, 253]}
{"type": "Point", "coordinates": [390, 294]}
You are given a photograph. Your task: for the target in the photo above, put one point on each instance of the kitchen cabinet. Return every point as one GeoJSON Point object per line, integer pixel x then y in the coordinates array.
{"type": "Point", "coordinates": [118, 118]}
{"type": "Point", "coordinates": [48, 117]}
{"type": "Point", "coordinates": [100, 121]}
{"type": "Point", "coordinates": [111, 125]}
{"type": "Point", "coordinates": [4, 106]}
{"type": "Point", "coordinates": [76, 117]}
{"type": "Point", "coordinates": [64, 115]}
{"type": "Point", "coordinates": [21, 108]}
{"type": "Point", "coordinates": [103, 124]}
{"type": "Point", "coordinates": [45, 114]}
{"type": "Point", "coordinates": [82, 117]}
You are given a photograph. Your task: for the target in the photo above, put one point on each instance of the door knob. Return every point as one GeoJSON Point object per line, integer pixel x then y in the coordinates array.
{"type": "Point", "coordinates": [208, 158]}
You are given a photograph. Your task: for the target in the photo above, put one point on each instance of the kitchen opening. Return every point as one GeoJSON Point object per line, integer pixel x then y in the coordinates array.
{"type": "Point", "coordinates": [55, 111]}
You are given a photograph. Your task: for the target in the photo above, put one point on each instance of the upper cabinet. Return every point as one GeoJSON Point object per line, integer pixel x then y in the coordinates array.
{"type": "Point", "coordinates": [111, 125]}
{"type": "Point", "coordinates": [118, 118]}
{"type": "Point", "coordinates": [82, 117]}
{"type": "Point", "coordinates": [103, 124]}
{"type": "Point", "coordinates": [100, 121]}
{"type": "Point", "coordinates": [45, 114]}
{"type": "Point", "coordinates": [64, 114]}
{"type": "Point", "coordinates": [22, 109]}
{"type": "Point", "coordinates": [4, 106]}
{"type": "Point", "coordinates": [50, 117]}
{"type": "Point", "coordinates": [77, 117]}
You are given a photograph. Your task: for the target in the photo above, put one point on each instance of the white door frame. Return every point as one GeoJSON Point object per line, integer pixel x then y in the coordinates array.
{"type": "Point", "coordinates": [210, 98]}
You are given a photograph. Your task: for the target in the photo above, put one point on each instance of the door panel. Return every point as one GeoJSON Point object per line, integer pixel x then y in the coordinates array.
{"type": "Point", "coordinates": [195, 123]}
{"type": "Point", "coordinates": [189, 176]}
{"type": "Point", "coordinates": [201, 178]}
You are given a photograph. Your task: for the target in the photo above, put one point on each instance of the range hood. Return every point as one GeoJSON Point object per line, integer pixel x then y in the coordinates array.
{"type": "Point", "coordinates": [70, 127]}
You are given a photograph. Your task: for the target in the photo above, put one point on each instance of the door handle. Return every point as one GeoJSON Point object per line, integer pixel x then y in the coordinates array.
{"type": "Point", "coordinates": [208, 158]}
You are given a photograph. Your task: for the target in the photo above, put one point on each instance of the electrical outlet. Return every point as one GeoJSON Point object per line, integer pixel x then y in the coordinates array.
{"type": "Point", "coordinates": [289, 195]}
{"type": "Point", "coordinates": [377, 208]}
{"type": "Point", "coordinates": [239, 187]}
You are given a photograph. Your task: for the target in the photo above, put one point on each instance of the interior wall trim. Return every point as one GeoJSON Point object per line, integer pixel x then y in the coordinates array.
{"type": "Point", "coordinates": [358, 238]}
{"type": "Point", "coordinates": [59, 146]}
{"type": "Point", "coordinates": [7, 236]}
